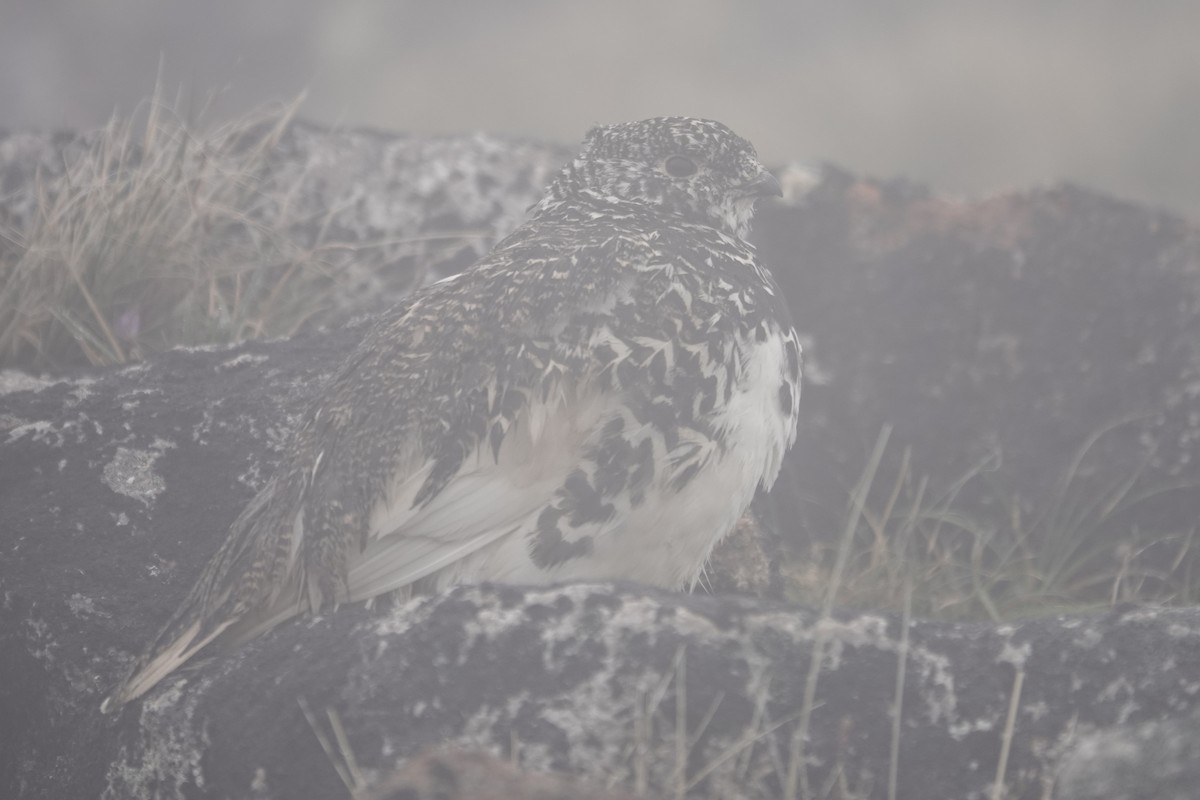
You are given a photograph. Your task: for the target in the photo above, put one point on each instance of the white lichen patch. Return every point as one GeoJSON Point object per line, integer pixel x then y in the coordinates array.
{"type": "Point", "coordinates": [41, 431]}
{"type": "Point", "coordinates": [982, 724]}
{"type": "Point", "coordinates": [867, 630]}
{"type": "Point", "coordinates": [134, 368]}
{"type": "Point", "coordinates": [279, 436]}
{"type": "Point", "coordinates": [1177, 631]}
{"type": "Point", "coordinates": [83, 606]}
{"type": "Point", "coordinates": [240, 361]}
{"type": "Point", "coordinates": [10, 421]}
{"type": "Point", "coordinates": [1124, 692]}
{"type": "Point", "coordinates": [81, 392]}
{"type": "Point", "coordinates": [1089, 636]}
{"type": "Point", "coordinates": [131, 472]}
{"type": "Point", "coordinates": [136, 392]}
{"type": "Point", "coordinates": [169, 752]}
{"type": "Point", "coordinates": [1016, 655]}
{"type": "Point", "coordinates": [12, 380]}
{"type": "Point", "coordinates": [253, 477]}
{"type": "Point", "coordinates": [201, 348]}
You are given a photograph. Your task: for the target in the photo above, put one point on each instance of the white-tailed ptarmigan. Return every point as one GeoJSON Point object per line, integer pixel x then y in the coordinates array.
{"type": "Point", "coordinates": [597, 398]}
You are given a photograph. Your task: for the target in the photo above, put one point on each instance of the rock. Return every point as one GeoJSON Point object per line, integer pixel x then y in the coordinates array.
{"type": "Point", "coordinates": [1038, 353]}
{"type": "Point", "coordinates": [469, 776]}
{"type": "Point", "coordinates": [1157, 760]}
{"type": "Point", "coordinates": [608, 681]}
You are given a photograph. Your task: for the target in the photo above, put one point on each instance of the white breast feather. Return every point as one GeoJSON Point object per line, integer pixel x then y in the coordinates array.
{"type": "Point", "coordinates": [478, 527]}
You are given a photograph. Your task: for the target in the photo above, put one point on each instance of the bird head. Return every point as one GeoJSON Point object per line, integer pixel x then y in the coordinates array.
{"type": "Point", "coordinates": [695, 169]}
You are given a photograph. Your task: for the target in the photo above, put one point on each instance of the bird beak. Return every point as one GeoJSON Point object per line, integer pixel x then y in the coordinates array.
{"type": "Point", "coordinates": [763, 185]}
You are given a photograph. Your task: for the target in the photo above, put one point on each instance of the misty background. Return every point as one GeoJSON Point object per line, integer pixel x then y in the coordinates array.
{"type": "Point", "coordinates": [971, 98]}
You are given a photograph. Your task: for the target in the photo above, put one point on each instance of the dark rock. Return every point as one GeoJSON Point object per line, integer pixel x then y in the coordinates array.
{"type": "Point", "coordinates": [1000, 339]}
{"type": "Point", "coordinates": [569, 676]}
{"type": "Point", "coordinates": [469, 776]}
{"type": "Point", "coordinates": [114, 487]}
{"type": "Point", "coordinates": [1157, 760]}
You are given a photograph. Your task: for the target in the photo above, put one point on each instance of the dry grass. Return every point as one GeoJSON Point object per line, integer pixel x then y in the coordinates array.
{"type": "Point", "coordinates": [662, 746]}
{"type": "Point", "coordinates": [1073, 554]}
{"type": "Point", "coordinates": [152, 239]}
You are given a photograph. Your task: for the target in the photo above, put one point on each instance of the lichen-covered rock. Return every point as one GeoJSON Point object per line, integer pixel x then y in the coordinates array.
{"type": "Point", "coordinates": [606, 681]}
{"type": "Point", "coordinates": [114, 488]}
{"type": "Point", "coordinates": [459, 775]}
{"type": "Point", "coordinates": [1157, 760]}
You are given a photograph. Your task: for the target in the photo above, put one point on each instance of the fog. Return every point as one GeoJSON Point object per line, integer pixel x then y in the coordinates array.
{"type": "Point", "coordinates": [972, 98]}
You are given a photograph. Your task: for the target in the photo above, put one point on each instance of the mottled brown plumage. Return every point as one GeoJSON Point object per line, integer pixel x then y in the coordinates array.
{"type": "Point", "coordinates": [597, 398]}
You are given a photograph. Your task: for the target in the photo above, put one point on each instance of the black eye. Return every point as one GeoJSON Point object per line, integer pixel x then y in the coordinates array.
{"type": "Point", "coordinates": [679, 166]}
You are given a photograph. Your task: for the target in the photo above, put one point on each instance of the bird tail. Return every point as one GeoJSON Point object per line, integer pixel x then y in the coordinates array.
{"type": "Point", "coordinates": [249, 585]}
{"type": "Point", "coordinates": [146, 676]}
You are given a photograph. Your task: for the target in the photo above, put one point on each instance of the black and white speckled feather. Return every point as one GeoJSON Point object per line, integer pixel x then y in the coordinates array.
{"type": "Point", "coordinates": [597, 398]}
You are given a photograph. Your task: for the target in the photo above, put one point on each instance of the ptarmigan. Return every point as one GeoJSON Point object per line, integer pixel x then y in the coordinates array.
{"type": "Point", "coordinates": [597, 398]}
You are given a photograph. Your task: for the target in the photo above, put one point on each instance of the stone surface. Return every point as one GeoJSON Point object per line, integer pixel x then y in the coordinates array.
{"type": "Point", "coordinates": [603, 681]}
{"type": "Point", "coordinates": [1157, 760]}
{"type": "Point", "coordinates": [456, 775]}
{"type": "Point", "coordinates": [999, 338]}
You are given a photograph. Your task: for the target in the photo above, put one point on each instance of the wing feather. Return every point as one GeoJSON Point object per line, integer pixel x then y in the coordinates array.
{"type": "Point", "coordinates": [490, 497]}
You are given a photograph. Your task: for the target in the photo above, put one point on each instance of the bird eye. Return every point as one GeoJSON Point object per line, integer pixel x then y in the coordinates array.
{"type": "Point", "coordinates": [679, 166]}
